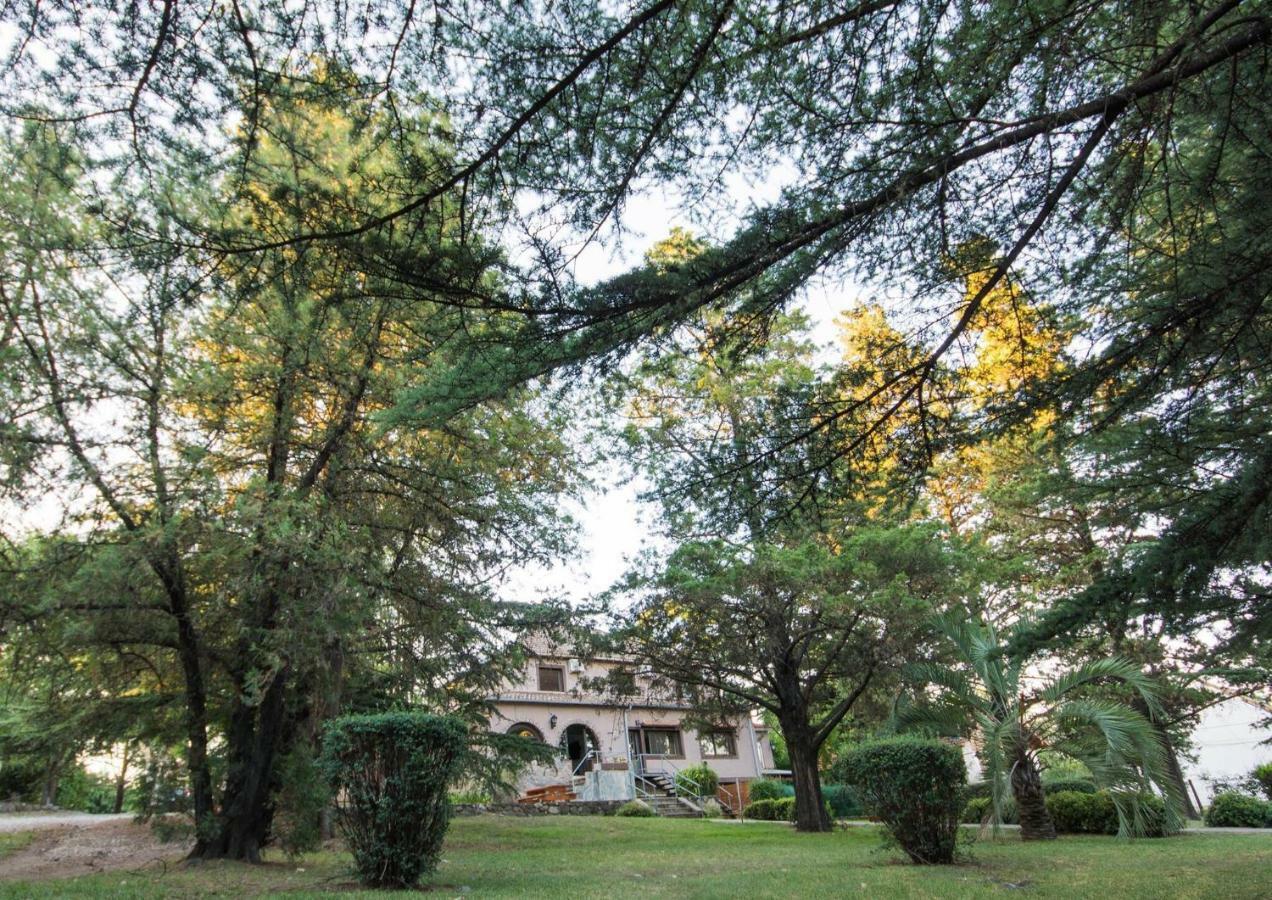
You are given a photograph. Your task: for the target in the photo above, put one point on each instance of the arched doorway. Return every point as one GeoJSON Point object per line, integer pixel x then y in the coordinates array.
{"type": "Point", "coordinates": [581, 747]}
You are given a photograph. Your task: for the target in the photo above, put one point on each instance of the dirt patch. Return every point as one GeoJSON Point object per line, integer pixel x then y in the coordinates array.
{"type": "Point", "coordinates": [89, 849]}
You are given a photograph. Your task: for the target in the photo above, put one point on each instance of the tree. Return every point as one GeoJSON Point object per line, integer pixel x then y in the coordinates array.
{"type": "Point", "coordinates": [790, 585]}
{"type": "Point", "coordinates": [990, 699]}
{"type": "Point", "coordinates": [248, 517]}
{"type": "Point", "coordinates": [795, 629]}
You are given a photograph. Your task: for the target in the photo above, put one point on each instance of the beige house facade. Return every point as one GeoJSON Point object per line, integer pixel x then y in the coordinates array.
{"type": "Point", "coordinates": [625, 743]}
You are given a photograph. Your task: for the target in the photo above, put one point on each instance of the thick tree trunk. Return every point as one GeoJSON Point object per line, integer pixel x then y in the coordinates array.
{"type": "Point", "coordinates": [810, 810]}
{"type": "Point", "coordinates": [1031, 803]}
{"type": "Point", "coordinates": [254, 743]}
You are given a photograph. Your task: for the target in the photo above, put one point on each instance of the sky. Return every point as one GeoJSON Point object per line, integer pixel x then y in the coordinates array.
{"type": "Point", "coordinates": [614, 524]}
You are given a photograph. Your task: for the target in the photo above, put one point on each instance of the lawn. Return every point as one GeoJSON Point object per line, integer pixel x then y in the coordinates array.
{"type": "Point", "coordinates": [590, 857]}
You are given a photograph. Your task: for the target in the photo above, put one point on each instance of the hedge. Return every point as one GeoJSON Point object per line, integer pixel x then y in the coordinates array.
{"type": "Point", "coordinates": [842, 801]}
{"type": "Point", "coordinates": [389, 775]}
{"type": "Point", "coordinates": [1062, 785]}
{"type": "Point", "coordinates": [769, 789]}
{"type": "Point", "coordinates": [1233, 810]}
{"type": "Point", "coordinates": [915, 786]}
{"type": "Point", "coordinates": [976, 812]}
{"type": "Point", "coordinates": [780, 809]}
{"type": "Point", "coordinates": [1077, 812]}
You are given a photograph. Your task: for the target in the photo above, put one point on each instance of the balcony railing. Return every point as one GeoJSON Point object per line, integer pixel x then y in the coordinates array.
{"type": "Point", "coordinates": [590, 698]}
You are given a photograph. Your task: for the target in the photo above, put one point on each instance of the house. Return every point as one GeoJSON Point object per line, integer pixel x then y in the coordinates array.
{"type": "Point", "coordinates": [1230, 738]}
{"type": "Point", "coordinates": [620, 734]}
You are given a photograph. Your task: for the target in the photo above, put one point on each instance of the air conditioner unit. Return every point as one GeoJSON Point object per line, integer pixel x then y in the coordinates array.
{"type": "Point", "coordinates": [576, 665]}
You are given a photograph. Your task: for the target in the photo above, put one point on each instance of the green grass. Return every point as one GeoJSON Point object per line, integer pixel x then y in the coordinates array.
{"type": "Point", "coordinates": [12, 841]}
{"type": "Point", "coordinates": [592, 857]}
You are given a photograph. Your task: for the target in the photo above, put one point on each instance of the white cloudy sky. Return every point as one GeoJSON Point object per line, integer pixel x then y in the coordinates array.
{"type": "Point", "coordinates": [611, 518]}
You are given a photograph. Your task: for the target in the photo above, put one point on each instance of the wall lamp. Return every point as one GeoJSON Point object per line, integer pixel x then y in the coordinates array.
{"type": "Point", "coordinates": [552, 721]}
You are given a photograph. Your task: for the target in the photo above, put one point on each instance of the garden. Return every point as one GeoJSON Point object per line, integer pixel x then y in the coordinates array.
{"type": "Point", "coordinates": [880, 389]}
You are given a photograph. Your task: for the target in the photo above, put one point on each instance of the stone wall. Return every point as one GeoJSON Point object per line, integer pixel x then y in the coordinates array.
{"type": "Point", "coordinates": [565, 808]}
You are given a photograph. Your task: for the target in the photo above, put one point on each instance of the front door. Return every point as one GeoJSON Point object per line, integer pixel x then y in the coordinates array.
{"type": "Point", "coordinates": [577, 744]}
{"type": "Point", "coordinates": [633, 748]}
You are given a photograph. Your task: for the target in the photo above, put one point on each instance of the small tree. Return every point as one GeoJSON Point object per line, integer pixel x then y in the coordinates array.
{"type": "Point", "coordinates": [988, 696]}
{"type": "Point", "coordinates": [389, 773]}
{"type": "Point", "coordinates": [916, 787]}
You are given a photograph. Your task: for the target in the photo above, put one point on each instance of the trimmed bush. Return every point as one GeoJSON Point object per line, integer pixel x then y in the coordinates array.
{"type": "Point", "coordinates": [915, 786]}
{"type": "Point", "coordinates": [1078, 812]}
{"type": "Point", "coordinates": [842, 801]}
{"type": "Point", "coordinates": [389, 775]}
{"type": "Point", "coordinates": [770, 789]}
{"type": "Point", "coordinates": [1063, 785]}
{"type": "Point", "coordinates": [636, 809]}
{"type": "Point", "coordinates": [1233, 810]}
{"type": "Point", "coordinates": [780, 809]}
{"type": "Point", "coordinates": [1263, 775]}
{"type": "Point", "coordinates": [699, 780]}
{"type": "Point", "coordinates": [711, 809]}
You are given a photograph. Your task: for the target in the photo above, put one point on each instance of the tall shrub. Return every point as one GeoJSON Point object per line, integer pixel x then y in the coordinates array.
{"type": "Point", "coordinates": [915, 786]}
{"type": "Point", "coordinates": [1263, 775]}
{"type": "Point", "coordinates": [389, 774]}
{"type": "Point", "coordinates": [700, 780]}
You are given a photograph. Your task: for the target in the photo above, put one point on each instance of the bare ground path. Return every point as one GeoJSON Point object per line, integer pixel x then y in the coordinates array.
{"type": "Point", "coordinates": [69, 844]}
{"type": "Point", "coordinates": [35, 821]}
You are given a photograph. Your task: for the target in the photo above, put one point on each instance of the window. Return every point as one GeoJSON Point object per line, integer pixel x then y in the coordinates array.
{"type": "Point", "coordinates": [527, 731]}
{"type": "Point", "coordinates": [718, 745]}
{"type": "Point", "coordinates": [551, 678]}
{"type": "Point", "coordinates": [663, 742]}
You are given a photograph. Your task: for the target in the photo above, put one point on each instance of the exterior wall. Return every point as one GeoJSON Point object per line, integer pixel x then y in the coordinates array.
{"type": "Point", "coordinates": [609, 719]}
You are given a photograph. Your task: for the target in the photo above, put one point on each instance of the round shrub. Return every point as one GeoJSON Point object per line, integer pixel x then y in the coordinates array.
{"type": "Point", "coordinates": [842, 801]}
{"type": "Point", "coordinates": [770, 789]}
{"type": "Point", "coordinates": [1233, 810]}
{"type": "Point", "coordinates": [636, 809]}
{"type": "Point", "coordinates": [915, 786]}
{"type": "Point", "coordinates": [389, 774]}
{"type": "Point", "coordinates": [699, 780]}
{"type": "Point", "coordinates": [712, 809]}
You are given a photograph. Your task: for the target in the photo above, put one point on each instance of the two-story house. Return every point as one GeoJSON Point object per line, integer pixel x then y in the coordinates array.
{"type": "Point", "coordinates": [618, 733]}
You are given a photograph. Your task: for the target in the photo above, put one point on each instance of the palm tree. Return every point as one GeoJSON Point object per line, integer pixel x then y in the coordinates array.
{"type": "Point", "coordinates": [987, 696]}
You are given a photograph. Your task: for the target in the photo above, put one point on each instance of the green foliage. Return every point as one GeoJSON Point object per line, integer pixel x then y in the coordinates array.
{"type": "Point", "coordinates": [84, 791]}
{"type": "Point", "coordinates": [389, 774]}
{"type": "Point", "coordinates": [711, 809]}
{"type": "Point", "coordinates": [298, 804]}
{"type": "Point", "coordinates": [781, 809]}
{"type": "Point", "coordinates": [843, 800]}
{"type": "Point", "coordinates": [636, 809]}
{"type": "Point", "coordinates": [1081, 812]}
{"type": "Point", "coordinates": [161, 787]}
{"type": "Point", "coordinates": [699, 781]}
{"type": "Point", "coordinates": [1017, 723]}
{"type": "Point", "coordinates": [1263, 775]}
{"type": "Point", "coordinates": [979, 809]}
{"type": "Point", "coordinates": [1061, 785]}
{"type": "Point", "coordinates": [915, 787]}
{"type": "Point", "coordinates": [769, 789]}
{"type": "Point", "coordinates": [1232, 810]}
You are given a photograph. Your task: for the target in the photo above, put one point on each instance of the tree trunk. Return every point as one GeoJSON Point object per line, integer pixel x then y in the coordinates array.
{"type": "Point", "coordinates": [810, 810]}
{"type": "Point", "coordinates": [1031, 803]}
{"type": "Point", "coordinates": [48, 794]}
{"type": "Point", "coordinates": [254, 743]}
{"type": "Point", "coordinates": [121, 783]}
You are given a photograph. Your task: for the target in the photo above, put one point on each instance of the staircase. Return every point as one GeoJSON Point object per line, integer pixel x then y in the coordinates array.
{"type": "Point", "coordinates": [658, 791]}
